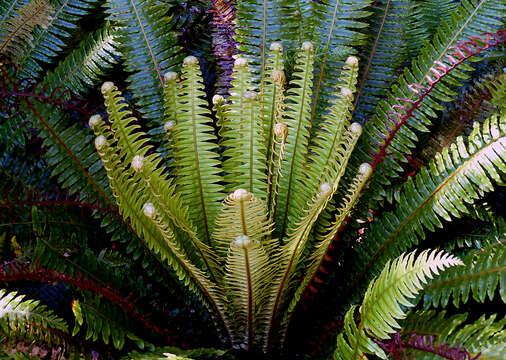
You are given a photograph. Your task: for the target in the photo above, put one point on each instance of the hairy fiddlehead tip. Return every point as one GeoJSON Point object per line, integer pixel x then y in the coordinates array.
{"type": "Point", "coordinates": [138, 163]}
{"type": "Point", "coordinates": [346, 92]}
{"type": "Point", "coordinates": [280, 130]}
{"type": "Point", "coordinates": [276, 46]}
{"type": "Point", "coordinates": [325, 189]}
{"type": "Point", "coordinates": [190, 60]}
{"type": "Point", "coordinates": [242, 241]}
{"type": "Point", "coordinates": [307, 46]}
{"type": "Point", "coordinates": [94, 121]}
{"type": "Point", "coordinates": [241, 62]}
{"type": "Point", "coordinates": [365, 169]}
{"type": "Point", "coordinates": [170, 76]}
{"type": "Point", "coordinates": [250, 96]}
{"type": "Point", "coordinates": [278, 76]}
{"type": "Point", "coordinates": [218, 99]}
{"type": "Point", "coordinates": [100, 142]}
{"type": "Point", "coordinates": [356, 128]}
{"type": "Point", "coordinates": [241, 195]}
{"type": "Point", "coordinates": [107, 87]}
{"type": "Point", "coordinates": [169, 125]}
{"type": "Point", "coordinates": [149, 210]}
{"type": "Point", "coordinates": [352, 61]}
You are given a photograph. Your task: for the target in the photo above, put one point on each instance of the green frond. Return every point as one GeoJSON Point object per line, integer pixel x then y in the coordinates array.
{"type": "Point", "coordinates": [424, 19]}
{"type": "Point", "coordinates": [18, 315]}
{"type": "Point", "coordinates": [482, 275]}
{"type": "Point", "coordinates": [242, 213]}
{"type": "Point", "coordinates": [271, 94]}
{"type": "Point", "coordinates": [335, 28]}
{"type": "Point", "coordinates": [195, 152]}
{"type": "Point", "coordinates": [461, 171]}
{"type": "Point", "coordinates": [258, 24]}
{"type": "Point", "coordinates": [247, 278]}
{"type": "Point", "coordinates": [325, 237]}
{"type": "Point", "coordinates": [297, 117]}
{"type": "Point", "coordinates": [16, 32]}
{"type": "Point", "coordinates": [85, 65]}
{"type": "Point", "coordinates": [465, 20]}
{"type": "Point", "coordinates": [101, 322]}
{"type": "Point", "coordinates": [334, 139]}
{"type": "Point", "coordinates": [242, 136]}
{"type": "Point", "coordinates": [485, 336]}
{"type": "Point", "coordinates": [49, 42]}
{"type": "Point", "coordinates": [7, 9]}
{"type": "Point", "coordinates": [143, 172]}
{"type": "Point", "coordinates": [381, 308]}
{"type": "Point", "coordinates": [173, 353]}
{"type": "Point", "coordinates": [384, 52]}
{"type": "Point", "coordinates": [148, 40]}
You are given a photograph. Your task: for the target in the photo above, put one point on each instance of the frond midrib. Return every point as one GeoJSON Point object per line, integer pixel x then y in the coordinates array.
{"type": "Point", "coordinates": [153, 58]}
{"type": "Point", "coordinates": [300, 116]}
{"type": "Point", "coordinates": [467, 277]}
{"type": "Point", "coordinates": [371, 57]}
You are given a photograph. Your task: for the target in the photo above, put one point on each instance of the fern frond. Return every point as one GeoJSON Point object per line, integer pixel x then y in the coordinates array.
{"type": "Point", "coordinates": [258, 24]}
{"type": "Point", "coordinates": [148, 37]}
{"type": "Point", "coordinates": [384, 134]}
{"type": "Point", "coordinates": [20, 315]}
{"type": "Point", "coordinates": [466, 171]}
{"type": "Point", "coordinates": [384, 53]}
{"type": "Point", "coordinates": [16, 32]}
{"type": "Point", "coordinates": [424, 19]}
{"type": "Point", "coordinates": [173, 353]}
{"type": "Point", "coordinates": [297, 118]}
{"type": "Point", "coordinates": [334, 139]}
{"type": "Point", "coordinates": [248, 275]}
{"type": "Point", "coordinates": [101, 321]}
{"type": "Point", "coordinates": [195, 152]}
{"type": "Point", "coordinates": [483, 274]}
{"type": "Point", "coordinates": [242, 213]}
{"type": "Point", "coordinates": [242, 133]}
{"type": "Point", "coordinates": [87, 63]}
{"type": "Point", "coordinates": [380, 310]}
{"type": "Point", "coordinates": [334, 27]}
{"type": "Point", "coordinates": [325, 238]}
{"type": "Point", "coordinates": [49, 42]}
{"type": "Point", "coordinates": [484, 338]}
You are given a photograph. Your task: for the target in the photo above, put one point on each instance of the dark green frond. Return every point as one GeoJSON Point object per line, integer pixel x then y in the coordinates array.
{"type": "Point", "coordinates": [149, 45]}
{"type": "Point", "coordinates": [462, 171]}
{"type": "Point", "coordinates": [381, 57]}
{"type": "Point", "coordinates": [467, 20]}
{"type": "Point", "coordinates": [49, 41]}
{"type": "Point", "coordinates": [484, 338]}
{"type": "Point", "coordinates": [481, 275]}
{"type": "Point", "coordinates": [87, 63]}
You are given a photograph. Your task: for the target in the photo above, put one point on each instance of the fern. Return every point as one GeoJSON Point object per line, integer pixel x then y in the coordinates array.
{"type": "Point", "coordinates": [48, 42]}
{"type": "Point", "coordinates": [380, 309]}
{"type": "Point", "coordinates": [379, 138]}
{"type": "Point", "coordinates": [28, 318]}
{"type": "Point", "coordinates": [483, 338]}
{"type": "Point", "coordinates": [148, 37]}
{"type": "Point", "coordinates": [384, 53]}
{"type": "Point", "coordinates": [482, 274]}
{"type": "Point", "coordinates": [426, 200]}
